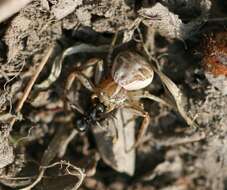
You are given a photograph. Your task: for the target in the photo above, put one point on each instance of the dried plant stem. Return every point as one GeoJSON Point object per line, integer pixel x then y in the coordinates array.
{"type": "Point", "coordinates": [175, 92]}
{"type": "Point", "coordinates": [31, 83]}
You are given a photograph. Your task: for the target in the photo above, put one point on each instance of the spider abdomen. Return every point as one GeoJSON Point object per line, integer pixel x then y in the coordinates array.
{"type": "Point", "coordinates": [131, 71]}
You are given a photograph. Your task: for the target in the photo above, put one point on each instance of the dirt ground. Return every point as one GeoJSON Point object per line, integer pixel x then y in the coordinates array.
{"type": "Point", "coordinates": [40, 147]}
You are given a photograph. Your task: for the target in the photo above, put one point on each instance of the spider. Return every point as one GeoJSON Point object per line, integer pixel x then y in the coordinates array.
{"type": "Point", "coordinates": [130, 74]}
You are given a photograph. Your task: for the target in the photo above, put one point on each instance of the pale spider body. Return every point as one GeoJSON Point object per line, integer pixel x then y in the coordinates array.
{"type": "Point", "coordinates": [131, 71]}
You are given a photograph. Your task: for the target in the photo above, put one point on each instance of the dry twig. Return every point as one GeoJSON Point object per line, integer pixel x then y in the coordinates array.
{"type": "Point", "coordinates": [31, 83]}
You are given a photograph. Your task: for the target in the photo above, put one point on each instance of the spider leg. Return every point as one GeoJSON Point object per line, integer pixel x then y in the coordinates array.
{"type": "Point", "coordinates": [83, 80]}
{"type": "Point", "coordinates": [145, 94]}
{"type": "Point", "coordinates": [137, 110]}
{"type": "Point", "coordinates": [76, 107]}
{"type": "Point", "coordinates": [111, 49]}
{"type": "Point", "coordinates": [98, 71]}
{"type": "Point", "coordinates": [89, 63]}
{"type": "Point", "coordinates": [69, 82]}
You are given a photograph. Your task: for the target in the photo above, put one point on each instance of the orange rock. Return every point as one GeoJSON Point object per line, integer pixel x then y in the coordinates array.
{"type": "Point", "coordinates": [215, 60]}
{"type": "Point", "coordinates": [215, 54]}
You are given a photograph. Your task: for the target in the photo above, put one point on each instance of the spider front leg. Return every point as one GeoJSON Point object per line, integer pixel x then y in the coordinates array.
{"type": "Point", "coordinates": [97, 63]}
{"type": "Point", "coordinates": [84, 81]}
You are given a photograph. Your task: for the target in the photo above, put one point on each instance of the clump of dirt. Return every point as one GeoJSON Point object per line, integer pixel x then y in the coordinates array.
{"type": "Point", "coordinates": [40, 145]}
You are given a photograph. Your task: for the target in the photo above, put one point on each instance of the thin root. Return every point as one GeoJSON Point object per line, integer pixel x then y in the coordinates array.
{"type": "Point", "coordinates": [78, 172]}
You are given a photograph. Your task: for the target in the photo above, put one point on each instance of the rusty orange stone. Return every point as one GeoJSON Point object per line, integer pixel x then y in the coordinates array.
{"type": "Point", "coordinates": [215, 54]}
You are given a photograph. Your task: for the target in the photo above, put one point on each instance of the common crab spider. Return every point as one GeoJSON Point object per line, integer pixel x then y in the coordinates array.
{"type": "Point", "coordinates": [130, 75]}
